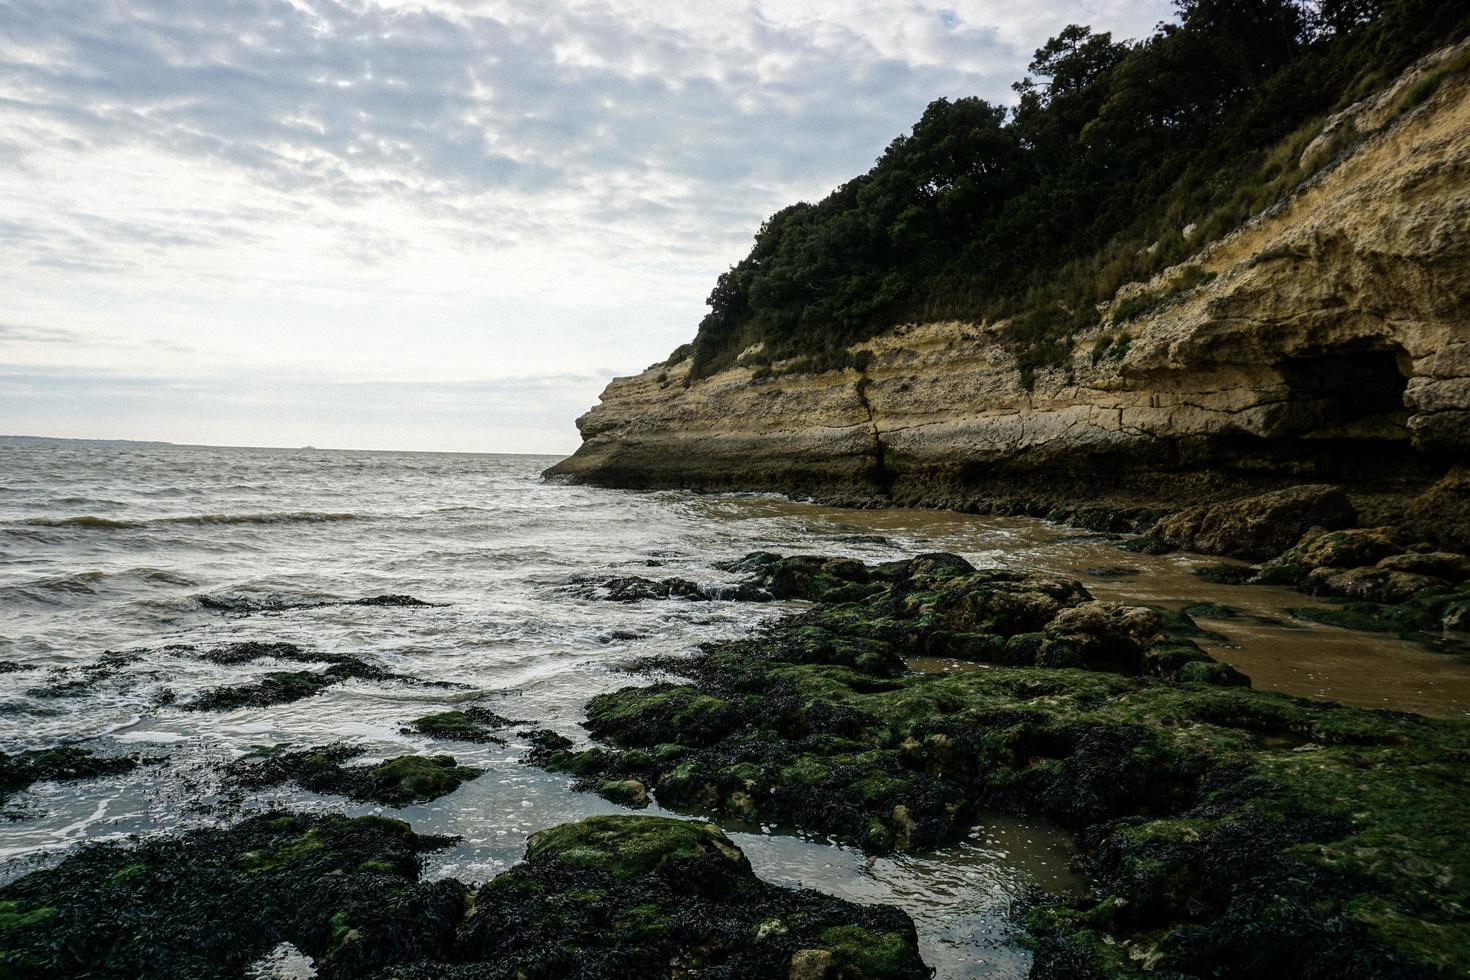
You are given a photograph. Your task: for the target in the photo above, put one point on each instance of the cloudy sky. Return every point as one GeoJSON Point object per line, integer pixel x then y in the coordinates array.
{"type": "Point", "coordinates": [424, 224]}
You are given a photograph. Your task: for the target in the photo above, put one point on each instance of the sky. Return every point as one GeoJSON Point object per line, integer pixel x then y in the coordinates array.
{"type": "Point", "coordinates": [425, 224]}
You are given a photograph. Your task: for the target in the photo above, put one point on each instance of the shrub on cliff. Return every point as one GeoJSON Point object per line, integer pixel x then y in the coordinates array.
{"type": "Point", "coordinates": [1047, 208]}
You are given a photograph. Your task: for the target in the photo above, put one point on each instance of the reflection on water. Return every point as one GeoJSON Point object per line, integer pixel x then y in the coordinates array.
{"type": "Point", "coordinates": [145, 548]}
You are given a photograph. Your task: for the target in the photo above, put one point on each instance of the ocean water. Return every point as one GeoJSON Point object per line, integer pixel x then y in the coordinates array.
{"type": "Point", "coordinates": [120, 562]}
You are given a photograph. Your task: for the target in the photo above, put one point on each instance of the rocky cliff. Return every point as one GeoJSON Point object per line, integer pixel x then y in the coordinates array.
{"type": "Point", "coordinates": [1327, 340]}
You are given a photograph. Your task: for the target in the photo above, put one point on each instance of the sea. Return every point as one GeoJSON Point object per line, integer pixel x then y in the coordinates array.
{"type": "Point", "coordinates": [121, 562]}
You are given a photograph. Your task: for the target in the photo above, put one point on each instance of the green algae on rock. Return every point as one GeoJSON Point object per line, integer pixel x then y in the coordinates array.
{"type": "Point", "coordinates": [467, 725]}
{"type": "Point", "coordinates": [1232, 833]}
{"type": "Point", "coordinates": [396, 782]}
{"type": "Point", "coordinates": [604, 897]}
{"type": "Point", "coordinates": [621, 896]}
{"type": "Point", "coordinates": [208, 903]}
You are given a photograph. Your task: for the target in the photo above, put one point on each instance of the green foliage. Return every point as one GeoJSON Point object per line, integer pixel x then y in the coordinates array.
{"type": "Point", "coordinates": [1041, 212]}
{"type": "Point", "coordinates": [1421, 91]}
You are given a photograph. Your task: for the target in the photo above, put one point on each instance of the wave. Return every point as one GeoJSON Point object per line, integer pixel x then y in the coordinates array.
{"type": "Point", "coordinates": [92, 521]}
{"type": "Point", "coordinates": [58, 589]}
{"type": "Point", "coordinates": [280, 517]}
{"type": "Point", "coordinates": [85, 520]}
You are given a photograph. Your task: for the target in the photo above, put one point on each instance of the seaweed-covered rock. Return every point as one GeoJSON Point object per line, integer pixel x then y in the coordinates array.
{"type": "Point", "coordinates": [607, 897]}
{"type": "Point", "coordinates": [812, 577]}
{"type": "Point", "coordinates": [618, 896]}
{"type": "Point", "coordinates": [208, 903]}
{"type": "Point", "coordinates": [1232, 833]}
{"type": "Point", "coordinates": [284, 686]}
{"type": "Point", "coordinates": [1099, 634]}
{"type": "Point", "coordinates": [1330, 549]}
{"type": "Point", "coordinates": [396, 782]}
{"type": "Point", "coordinates": [636, 588]}
{"type": "Point", "coordinates": [1371, 584]}
{"type": "Point", "coordinates": [1439, 564]}
{"type": "Point", "coordinates": [1259, 527]}
{"type": "Point", "coordinates": [469, 725]}
{"type": "Point", "coordinates": [1404, 619]}
{"type": "Point", "coordinates": [1224, 574]}
{"type": "Point", "coordinates": [65, 763]}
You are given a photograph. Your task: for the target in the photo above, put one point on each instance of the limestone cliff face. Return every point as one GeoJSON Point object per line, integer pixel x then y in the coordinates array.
{"type": "Point", "coordinates": [1328, 339]}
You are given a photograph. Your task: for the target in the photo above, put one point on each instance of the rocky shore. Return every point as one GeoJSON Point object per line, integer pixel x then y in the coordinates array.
{"type": "Point", "coordinates": [1226, 832]}
{"type": "Point", "coordinates": [1325, 341]}
{"type": "Point", "coordinates": [1229, 832]}
{"type": "Point", "coordinates": [605, 897]}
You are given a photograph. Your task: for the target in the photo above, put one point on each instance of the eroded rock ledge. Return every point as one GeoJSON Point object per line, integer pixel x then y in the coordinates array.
{"type": "Point", "coordinates": [1328, 340]}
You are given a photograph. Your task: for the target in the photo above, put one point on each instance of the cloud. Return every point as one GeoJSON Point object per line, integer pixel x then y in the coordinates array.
{"type": "Point", "coordinates": [435, 188]}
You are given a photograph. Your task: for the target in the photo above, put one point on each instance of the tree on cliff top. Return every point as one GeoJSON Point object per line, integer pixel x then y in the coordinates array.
{"type": "Point", "coordinates": [1041, 211]}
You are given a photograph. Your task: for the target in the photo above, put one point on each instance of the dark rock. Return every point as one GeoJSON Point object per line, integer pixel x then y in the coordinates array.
{"type": "Point", "coordinates": [1227, 574]}
{"type": "Point", "coordinates": [65, 763]}
{"type": "Point", "coordinates": [470, 725]}
{"type": "Point", "coordinates": [208, 903]}
{"type": "Point", "coordinates": [1111, 571]}
{"type": "Point", "coordinates": [396, 600]}
{"type": "Point", "coordinates": [396, 782]}
{"type": "Point", "coordinates": [608, 897]}
{"type": "Point", "coordinates": [635, 588]}
{"type": "Point", "coordinates": [1260, 527]}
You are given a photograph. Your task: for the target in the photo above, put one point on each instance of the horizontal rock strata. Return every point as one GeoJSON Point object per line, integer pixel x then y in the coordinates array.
{"type": "Point", "coordinates": [1328, 340]}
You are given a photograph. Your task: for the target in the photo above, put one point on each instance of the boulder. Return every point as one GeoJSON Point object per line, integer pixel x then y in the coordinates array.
{"type": "Point", "coordinates": [1258, 527]}
{"type": "Point", "coordinates": [1371, 584]}
{"type": "Point", "coordinates": [1443, 511]}
{"type": "Point", "coordinates": [1099, 634]}
{"type": "Point", "coordinates": [1440, 564]}
{"type": "Point", "coordinates": [1331, 549]}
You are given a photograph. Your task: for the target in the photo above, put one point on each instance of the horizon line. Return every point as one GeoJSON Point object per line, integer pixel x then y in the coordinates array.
{"type": "Point", "coordinates": [323, 449]}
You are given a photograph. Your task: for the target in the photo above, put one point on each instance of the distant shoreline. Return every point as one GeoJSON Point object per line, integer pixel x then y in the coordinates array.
{"type": "Point", "coordinates": [319, 449]}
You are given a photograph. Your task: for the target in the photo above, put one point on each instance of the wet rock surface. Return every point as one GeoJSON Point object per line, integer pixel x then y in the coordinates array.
{"type": "Point", "coordinates": [246, 605]}
{"type": "Point", "coordinates": [65, 763]}
{"type": "Point", "coordinates": [286, 686]}
{"type": "Point", "coordinates": [1231, 833]}
{"type": "Point", "coordinates": [474, 724]}
{"type": "Point", "coordinates": [395, 782]}
{"type": "Point", "coordinates": [1258, 527]}
{"type": "Point", "coordinates": [607, 897]}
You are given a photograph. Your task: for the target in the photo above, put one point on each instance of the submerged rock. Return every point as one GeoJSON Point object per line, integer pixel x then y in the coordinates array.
{"type": "Point", "coordinates": [604, 897]}
{"type": "Point", "coordinates": [396, 782]}
{"type": "Point", "coordinates": [66, 763]}
{"type": "Point", "coordinates": [286, 686]}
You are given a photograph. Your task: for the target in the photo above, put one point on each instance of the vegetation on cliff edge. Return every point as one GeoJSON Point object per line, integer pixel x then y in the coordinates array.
{"type": "Point", "coordinates": [1120, 158]}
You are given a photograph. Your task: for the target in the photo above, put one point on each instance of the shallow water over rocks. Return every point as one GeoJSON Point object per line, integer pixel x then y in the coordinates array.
{"type": "Point", "coordinates": [163, 554]}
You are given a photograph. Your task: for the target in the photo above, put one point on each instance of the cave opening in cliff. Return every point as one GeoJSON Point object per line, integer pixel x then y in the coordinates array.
{"type": "Point", "coordinates": [1352, 395]}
